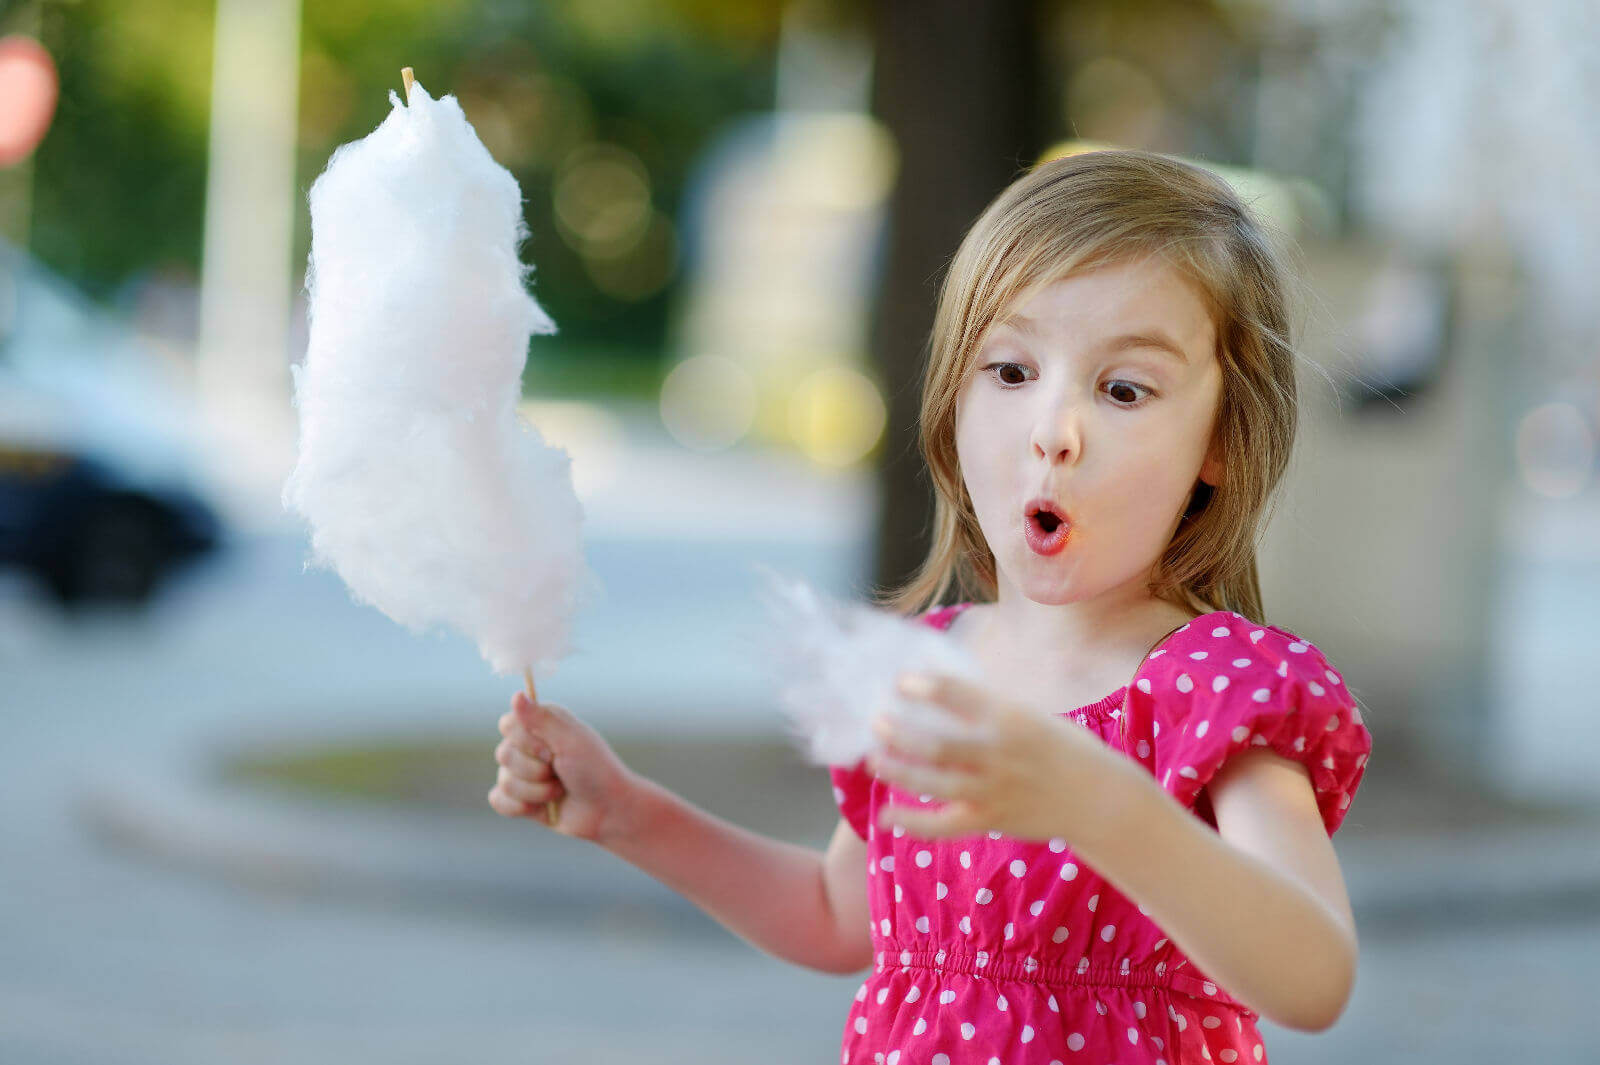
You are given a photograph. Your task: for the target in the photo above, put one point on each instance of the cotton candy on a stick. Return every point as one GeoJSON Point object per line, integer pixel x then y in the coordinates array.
{"type": "Point", "coordinates": [425, 490]}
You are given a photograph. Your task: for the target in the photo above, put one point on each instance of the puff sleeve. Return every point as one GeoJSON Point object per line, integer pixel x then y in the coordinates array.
{"type": "Point", "coordinates": [1234, 685]}
{"type": "Point", "coordinates": [852, 791]}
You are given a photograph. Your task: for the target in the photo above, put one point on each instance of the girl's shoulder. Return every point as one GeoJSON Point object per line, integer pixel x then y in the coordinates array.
{"type": "Point", "coordinates": [1222, 684]}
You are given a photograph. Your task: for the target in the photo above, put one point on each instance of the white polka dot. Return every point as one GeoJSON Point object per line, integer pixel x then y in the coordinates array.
{"type": "Point", "coordinates": [982, 958]}
{"type": "Point", "coordinates": [1027, 1033]}
{"type": "Point", "coordinates": [966, 925]}
{"type": "Point", "coordinates": [1030, 963]}
{"type": "Point", "coordinates": [1018, 867]}
{"type": "Point", "coordinates": [1240, 663]}
{"type": "Point", "coordinates": [1261, 695]}
{"type": "Point", "coordinates": [1218, 683]}
{"type": "Point", "coordinates": [861, 993]}
{"type": "Point", "coordinates": [922, 925]}
{"type": "Point", "coordinates": [941, 1059]}
{"type": "Point", "coordinates": [941, 891]}
{"type": "Point", "coordinates": [1240, 732]}
{"type": "Point", "coordinates": [1197, 655]}
{"type": "Point", "coordinates": [1333, 722]}
{"type": "Point", "coordinates": [1299, 743]}
{"type": "Point", "coordinates": [1011, 929]}
{"type": "Point", "coordinates": [1298, 648]}
{"type": "Point", "coordinates": [886, 863]}
{"type": "Point", "coordinates": [894, 1058]}
{"type": "Point", "coordinates": [1059, 934]}
{"type": "Point", "coordinates": [899, 893]}
{"type": "Point", "coordinates": [1083, 966]}
{"type": "Point", "coordinates": [946, 997]}
{"type": "Point", "coordinates": [938, 959]}
{"type": "Point", "coordinates": [984, 896]}
{"type": "Point", "coordinates": [924, 798]}
{"type": "Point", "coordinates": [1036, 907]}
{"type": "Point", "coordinates": [872, 865]}
{"type": "Point", "coordinates": [1183, 1022]}
{"type": "Point", "coordinates": [1138, 1008]}
{"type": "Point", "coordinates": [838, 794]}
{"type": "Point", "coordinates": [1100, 1007]}
{"type": "Point", "coordinates": [995, 835]}
{"type": "Point", "coordinates": [1107, 932]}
{"type": "Point", "coordinates": [1316, 689]}
{"type": "Point", "coordinates": [922, 1026]}
{"type": "Point", "coordinates": [1058, 844]}
{"type": "Point", "coordinates": [1211, 1022]}
{"type": "Point", "coordinates": [1094, 901]}
{"type": "Point", "coordinates": [1133, 1035]}
{"type": "Point", "coordinates": [1054, 1007]}
{"type": "Point", "coordinates": [1190, 772]}
{"type": "Point", "coordinates": [1069, 871]}
{"type": "Point", "coordinates": [905, 957]}
{"type": "Point", "coordinates": [884, 924]}
{"type": "Point", "coordinates": [1144, 748]}
{"type": "Point", "coordinates": [883, 994]}
{"type": "Point", "coordinates": [1228, 1054]}
{"type": "Point", "coordinates": [1074, 1041]}
{"type": "Point", "coordinates": [1333, 678]}
{"type": "Point", "coordinates": [1184, 683]}
{"type": "Point", "coordinates": [1257, 1051]}
{"type": "Point", "coordinates": [1143, 684]}
{"type": "Point", "coordinates": [1160, 943]}
{"type": "Point", "coordinates": [1155, 728]}
{"type": "Point", "coordinates": [1220, 630]}
{"type": "Point", "coordinates": [1201, 729]}
{"type": "Point", "coordinates": [861, 1024]}
{"type": "Point", "coordinates": [1000, 1002]}
{"type": "Point", "coordinates": [914, 994]}
{"type": "Point", "coordinates": [924, 859]}
{"type": "Point", "coordinates": [899, 830]}
{"type": "Point", "coordinates": [966, 859]}
{"type": "Point", "coordinates": [967, 1029]}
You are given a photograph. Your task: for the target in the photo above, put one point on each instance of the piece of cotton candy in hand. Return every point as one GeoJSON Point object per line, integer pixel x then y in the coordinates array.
{"type": "Point", "coordinates": [838, 666]}
{"type": "Point", "coordinates": [425, 490]}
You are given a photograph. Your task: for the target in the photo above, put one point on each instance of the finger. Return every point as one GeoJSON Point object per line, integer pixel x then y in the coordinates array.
{"type": "Point", "coordinates": [504, 805]}
{"type": "Point", "coordinates": [527, 790]}
{"type": "Point", "coordinates": [940, 782]}
{"type": "Point", "coordinates": [522, 764]}
{"type": "Point", "coordinates": [960, 696]}
{"type": "Point", "coordinates": [526, 742]}
{"type": "Point", "coordinates": [914, 741]}
{"type": "Point", "coordinates": [954, 820]}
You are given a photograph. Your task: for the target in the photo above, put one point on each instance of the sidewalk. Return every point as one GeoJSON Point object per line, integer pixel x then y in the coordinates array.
{"type": "Point", "coordinates": [1412, 850]}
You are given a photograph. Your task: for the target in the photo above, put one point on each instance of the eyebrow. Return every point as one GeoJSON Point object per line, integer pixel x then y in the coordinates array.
{"type": "Point", "coordinates": [1153, 338]}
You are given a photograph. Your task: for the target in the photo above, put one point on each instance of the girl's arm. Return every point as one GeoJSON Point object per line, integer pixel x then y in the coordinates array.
{"type": "Point", "coordinates": [785, 899]}
{"type": "Point", "coordinates": [1258, 905]}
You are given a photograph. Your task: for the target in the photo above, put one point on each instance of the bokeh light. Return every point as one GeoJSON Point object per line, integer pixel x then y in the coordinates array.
{"type": "Point", "coordinates": [1555, 450]}
{"type": "Point", "coordinates": [836, 415]}
{"type": "Point", "coordinates": [708, 402]}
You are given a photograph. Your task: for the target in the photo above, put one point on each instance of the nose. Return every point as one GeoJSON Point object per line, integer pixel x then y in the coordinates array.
{"type": "Point", "coordinates": [1058, 431]}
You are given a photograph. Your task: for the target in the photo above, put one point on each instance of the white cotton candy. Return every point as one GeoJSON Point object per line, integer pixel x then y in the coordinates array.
{"type": "Point", "coordinates": [424, 489]}
{"type": "Point", "coordinates": [838, 665]}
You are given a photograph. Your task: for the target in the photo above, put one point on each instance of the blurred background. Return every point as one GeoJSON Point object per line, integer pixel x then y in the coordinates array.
{"type": "Point", "coordinates": [244, 817]}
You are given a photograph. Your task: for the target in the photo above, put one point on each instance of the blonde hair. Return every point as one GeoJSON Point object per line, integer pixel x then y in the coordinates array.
{"type": "Point", "coordinates": [1076, 213]}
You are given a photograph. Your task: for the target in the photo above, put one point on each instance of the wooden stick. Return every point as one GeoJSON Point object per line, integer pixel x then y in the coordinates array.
{"type": "Point", "coordinates": [405, 76]}
{"type": "Point", "coordinates": [552, 807]}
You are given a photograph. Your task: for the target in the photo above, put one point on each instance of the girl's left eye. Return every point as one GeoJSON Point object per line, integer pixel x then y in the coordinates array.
{"type": "Point", "coordinates": [997, 368]}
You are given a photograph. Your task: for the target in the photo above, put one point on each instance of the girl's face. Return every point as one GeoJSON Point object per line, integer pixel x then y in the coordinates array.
{"type": "Point", "coordinates": [1074, 397]}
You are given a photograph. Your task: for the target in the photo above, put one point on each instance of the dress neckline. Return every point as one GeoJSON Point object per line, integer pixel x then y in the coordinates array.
{"type": "Point", "coordinates": [1103, 709]}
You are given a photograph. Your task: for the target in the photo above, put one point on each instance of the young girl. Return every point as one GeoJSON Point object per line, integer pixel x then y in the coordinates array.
{"type": "Point", "coordinates": [1127, 859]}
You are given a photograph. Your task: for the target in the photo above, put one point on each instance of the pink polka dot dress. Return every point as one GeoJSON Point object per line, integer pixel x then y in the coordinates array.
{"type": "Point", "coordinates": [993, 950]}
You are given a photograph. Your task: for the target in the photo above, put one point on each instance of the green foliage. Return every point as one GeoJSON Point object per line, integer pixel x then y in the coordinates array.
{"type": "Point", "coordinates": [120, 180]}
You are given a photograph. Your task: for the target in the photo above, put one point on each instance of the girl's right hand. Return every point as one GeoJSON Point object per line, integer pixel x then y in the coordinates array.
{"type": "Point", "coordinates": [547, 753]}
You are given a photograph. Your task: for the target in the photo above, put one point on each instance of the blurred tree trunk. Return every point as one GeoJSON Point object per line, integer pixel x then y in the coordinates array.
{"type": "Point", "coordinates": [958, 83]}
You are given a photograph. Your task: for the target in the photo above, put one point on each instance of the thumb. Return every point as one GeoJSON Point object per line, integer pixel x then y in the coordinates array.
{"type": "Point", "coordinates": [537, 718]}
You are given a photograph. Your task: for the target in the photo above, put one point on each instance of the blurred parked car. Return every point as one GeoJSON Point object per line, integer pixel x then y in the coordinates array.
{"type": "Point", "coordinates": [97, 497]}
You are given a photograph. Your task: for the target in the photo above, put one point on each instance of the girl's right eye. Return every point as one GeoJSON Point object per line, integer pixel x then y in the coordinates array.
{"type": "Point", "coordinates": [1002, 366]}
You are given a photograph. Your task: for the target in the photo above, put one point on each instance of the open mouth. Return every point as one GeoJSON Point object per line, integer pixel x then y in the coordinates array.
{"type": "Point", "coordinates": [1046, 527]}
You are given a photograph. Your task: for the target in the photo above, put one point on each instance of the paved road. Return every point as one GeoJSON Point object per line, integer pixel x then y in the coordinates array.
{"type": "Point", "coordinates": [114, 958]}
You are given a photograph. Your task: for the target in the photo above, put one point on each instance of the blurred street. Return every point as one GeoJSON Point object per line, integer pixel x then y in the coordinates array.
{"type": "Point", "coordinates": [119, 954]}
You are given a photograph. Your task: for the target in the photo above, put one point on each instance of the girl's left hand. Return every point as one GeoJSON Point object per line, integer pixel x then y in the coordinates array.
{"type": "Point", "coordinates": [1017, 770]}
